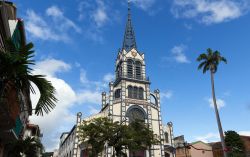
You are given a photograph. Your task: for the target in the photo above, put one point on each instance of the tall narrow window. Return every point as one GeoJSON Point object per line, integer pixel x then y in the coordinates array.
{"type": "Point", "coordinates": [118, 71]}
{"type": "Point", "coordinates": [166, 137]}
{"type": "Point", "coordinates": [141, 91]}
{"type": "Point", "coordinates": [130, 89]}
{"type": "Point", "coordinates": [117, 93]}
{"type": "Point", "coordinates": [138, 68]}
{"type": "Point", "coordinates": [135, 93]}
{"type": "Point", "coordinates": [130, 68]}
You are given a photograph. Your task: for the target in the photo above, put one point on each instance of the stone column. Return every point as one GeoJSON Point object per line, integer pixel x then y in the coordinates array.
{"type": "Point", "coordinates": [157, 94]}
{"type": "Point", "coordinates": [76, 142]}
{"type": "Point", "coordinates": [103, 99]}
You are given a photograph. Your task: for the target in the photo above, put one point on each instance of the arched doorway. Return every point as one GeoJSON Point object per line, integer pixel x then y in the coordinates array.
{"type": "Point", "coordinates": [167, 154]}
{"type": "Point", "coordinates": [141, 153]}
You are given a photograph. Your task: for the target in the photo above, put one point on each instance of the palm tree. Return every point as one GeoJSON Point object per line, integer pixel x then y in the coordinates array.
{"type": "Point", "coordinates": [30, 147]}
{"type": "Point", "coordinates": [15, 71]}
{"type": "Point", "coordinates": [210, 61]}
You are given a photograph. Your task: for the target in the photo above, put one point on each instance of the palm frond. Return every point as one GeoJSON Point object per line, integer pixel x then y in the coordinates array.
{"type": "Point", "coordinates": [47, 98]}
{"type": "Point", "coordinates": [223, 59]}
{"type": "Point", "coordinates": [210, 60]}
{"type": "Point", "coordinates": [209, 51]}
{"type": "Point", "coordinates": [202, 64]}
{"type": "Point", "coordinates": [202, 56]}
{"type": "Point", "coordinates": [206, 68]}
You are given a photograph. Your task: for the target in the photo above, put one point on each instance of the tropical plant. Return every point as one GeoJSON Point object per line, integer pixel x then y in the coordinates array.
{"type": "Point", "coordinates": [235, 144]}
{"type": "Point", "coordinates": [95, 133]}
{"type": "Point", "coordinates": [210, 62]}
{"type": "Point", "coordinates": [30, 147]}
{"type": "Point", "coordinates": [143, 137]}
{"type": "Point", "coordinates": [15, 71]}
{"type": "Point", "coordinates": [100, 131]}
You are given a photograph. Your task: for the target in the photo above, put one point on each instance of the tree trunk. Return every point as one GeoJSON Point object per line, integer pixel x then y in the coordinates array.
{"type": "Point", "coordinates": [218, 116]}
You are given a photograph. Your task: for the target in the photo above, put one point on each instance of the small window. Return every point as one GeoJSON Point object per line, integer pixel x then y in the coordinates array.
{"type": "Point", "coordinates": [130, 89]}
{"type": "Point", "coordinates": [138, 70]}
{"type": "Point", "coordinates": [118, 71]}
{"type": "Point", "coordinates": [141, 91]}
{"type": "Point", "coordinates": [117, 93]}
{"type": "Point", "coordinates": [130, 68]}
{"type": "Point", "coordinates": [166, 137]}
{"type": "Point", "coordinates": [135, 93]}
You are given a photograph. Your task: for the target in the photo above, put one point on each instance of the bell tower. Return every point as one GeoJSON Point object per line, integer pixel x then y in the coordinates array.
{"type": "Point", "coordinates": [130, 97]}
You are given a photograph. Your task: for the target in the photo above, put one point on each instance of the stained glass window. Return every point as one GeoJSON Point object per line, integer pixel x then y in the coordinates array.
{"type": "Point", "coordinates": [136, 114]}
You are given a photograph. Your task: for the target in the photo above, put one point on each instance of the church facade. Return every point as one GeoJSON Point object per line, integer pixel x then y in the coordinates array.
{"type": "Point", "coordinates": [129, 98]}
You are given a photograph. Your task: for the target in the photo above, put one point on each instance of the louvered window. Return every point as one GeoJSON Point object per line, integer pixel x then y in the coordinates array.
{"type": "Point", "coordinates": [130, 91]}
{"type": "Point", "coordinates": [138, 72]}
{"type": "Point", "coordinates": [141, 91]}
{"type": "Point", "coordinates": [130, 68]}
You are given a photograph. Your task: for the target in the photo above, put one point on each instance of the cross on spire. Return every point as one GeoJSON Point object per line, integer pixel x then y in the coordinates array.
{"type": "Point", "coordinates": [129, 41]}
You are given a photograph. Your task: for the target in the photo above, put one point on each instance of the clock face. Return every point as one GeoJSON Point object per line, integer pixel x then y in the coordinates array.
{"type": "Point", "coordinates": [134, 54]}
{"type": "Point", "coordinates": [136, 114]}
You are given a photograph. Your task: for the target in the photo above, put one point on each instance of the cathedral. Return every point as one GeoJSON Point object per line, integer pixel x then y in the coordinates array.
{"type": "Point", "coordinates": [129, 98]}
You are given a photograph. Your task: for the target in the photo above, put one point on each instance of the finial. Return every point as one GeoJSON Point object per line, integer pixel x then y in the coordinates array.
{"type": "Point", "coordinates": [129, 4]}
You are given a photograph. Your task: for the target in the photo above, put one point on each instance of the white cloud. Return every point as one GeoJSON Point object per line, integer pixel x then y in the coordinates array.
{"type": "Point", "coordinates": [188, 26]}
{"type": "Point", "coordinates": [210, 137]}
{"type": "Point", "coordinates": [54, 11]}
{"type": "Point", "coordinates": [244, 133]}
{"type": "Point", "coordinates": [214, 137]}
{"type": "Point", "coordinates": [50, 67]}
{"type": "Point", "coordinates": [83, 77]}
{"type": "Point", "coordinates": [60, 119]}
{"type": "Point", "coordinates": [179, 55]}
{"type": "Point", "coordinates": [62, 22]}
{"type": "Point", "coordinates": [66, 96]}
{"type": "Point", "coordinates": [100, 15]}
{"type": "Point", "coordinates": [89, 96]}
{"type": "Point", "coordinates": [167, 94]}
{"type": "Point", "coordinates": [220, 103]}
{"type": "Point", "coordinates": [38, 28]}
{"type": "Point", "coordinates": [56, 27]}
{"type": "Point", "coordinates": [210, 11]}
{"type": "Point", "coordinates": [144, 4]}
{"type": "Point", "coordinates": [108, 77]}
{"type": "Point", "coordinates": [97, 14]}
{"type": "Point", "coordinates": [93, 110]}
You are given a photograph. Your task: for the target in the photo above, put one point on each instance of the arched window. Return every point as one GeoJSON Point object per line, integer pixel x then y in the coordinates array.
{"type": "Point", "coordinates": [135, 93]}
{"type": "Point", "coordinates": [166, 137]}
{"type": "Point", "coordinates": [153, 100]}
{"type": "Point", "coordinates": [117, 93]}
{"type": "Point", "coordinates": [141, 91]}
{"type": "Point", "coordinates": [130, 91]}
{"type": "Point", "coordinates": [118, 71]}
{"type": "Point", "coordinates": [130, 68]}
{"type": "Point", "coordinates": [136, 113]}
{"type": "Point", "coordinates": [138, 72]}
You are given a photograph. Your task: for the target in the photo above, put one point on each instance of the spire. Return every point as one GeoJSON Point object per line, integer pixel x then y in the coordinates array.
{"type": "Point", "coordinates": [129, 36]}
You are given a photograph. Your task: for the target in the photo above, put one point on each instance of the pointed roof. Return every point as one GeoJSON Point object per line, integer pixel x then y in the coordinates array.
{"type": "Point", "coordinates": [129, 41]}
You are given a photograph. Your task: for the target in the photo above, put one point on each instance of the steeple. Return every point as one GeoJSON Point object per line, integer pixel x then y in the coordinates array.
{"type": "Point", "coordinates": [129, 41]}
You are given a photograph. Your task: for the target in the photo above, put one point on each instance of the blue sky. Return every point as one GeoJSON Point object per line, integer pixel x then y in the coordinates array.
{"type": "Point", "coordinates": [76, 43]}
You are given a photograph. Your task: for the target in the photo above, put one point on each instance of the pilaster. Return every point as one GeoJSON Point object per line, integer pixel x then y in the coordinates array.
{"type": "Point", "coordinates": [104, 102]}
{"type": "Point", "coordinates": [157, 94]}
{"type": "Point", "coordinates": [76, 142]}
{"type": "Point", "coordinates": [111, 97]}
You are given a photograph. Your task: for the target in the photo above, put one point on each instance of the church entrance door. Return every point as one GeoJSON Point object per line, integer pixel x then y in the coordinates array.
{"type": "Point", "coordinates": [140, 153]}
